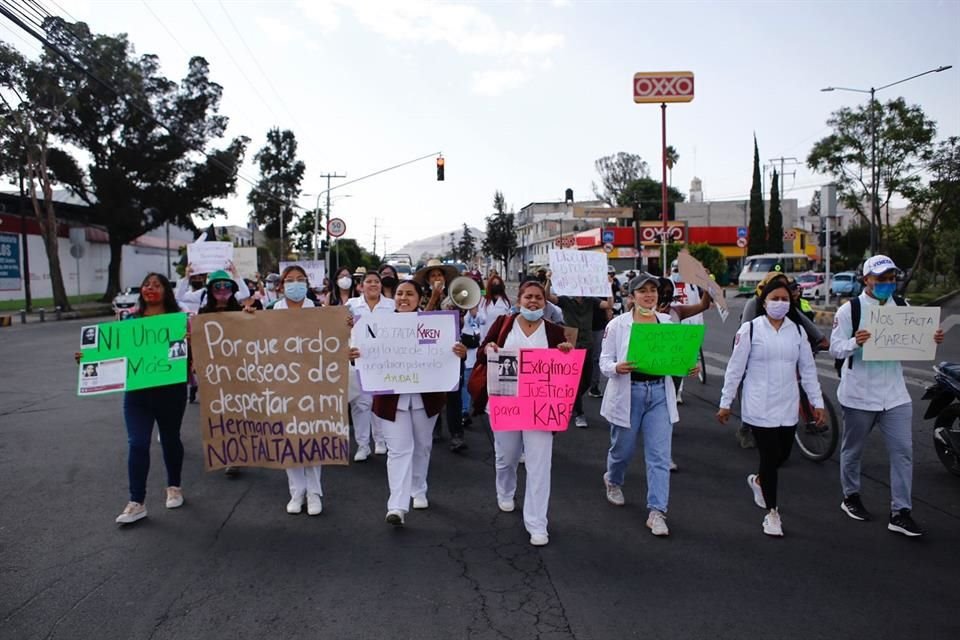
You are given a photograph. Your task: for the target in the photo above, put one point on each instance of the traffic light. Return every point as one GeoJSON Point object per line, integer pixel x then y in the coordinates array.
{"type": "Point", "coordinates": [440, 169]}
{"type": "Point", "coordinates": [324, 246]}
{"type": "Point", "coordinates": [822, 239]}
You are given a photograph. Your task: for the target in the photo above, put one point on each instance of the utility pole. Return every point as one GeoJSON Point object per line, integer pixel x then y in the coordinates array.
{"type": "Point", "coordinates": [375, 221]}
{"type": "Point", "coordinates": [316, 214]}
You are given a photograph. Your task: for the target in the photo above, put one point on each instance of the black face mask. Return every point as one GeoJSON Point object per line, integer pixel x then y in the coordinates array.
{"type": "Point", "coordinates": [388, 282]}
{"type": "Point", "coordinates": [496, 289]}
{"type": "Point", "coordinates": [197, 284]}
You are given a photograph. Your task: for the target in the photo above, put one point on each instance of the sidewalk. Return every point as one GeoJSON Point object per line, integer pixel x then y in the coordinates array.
{"type": "Point", "coordinates": [81, 310]}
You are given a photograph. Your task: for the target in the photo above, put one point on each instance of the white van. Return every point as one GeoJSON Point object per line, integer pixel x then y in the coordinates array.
{"type": "Point", "coordinates": [755, 267]}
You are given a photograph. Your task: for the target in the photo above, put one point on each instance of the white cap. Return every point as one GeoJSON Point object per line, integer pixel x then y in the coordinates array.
{"type": "Point", "coordinates": [877, 265]}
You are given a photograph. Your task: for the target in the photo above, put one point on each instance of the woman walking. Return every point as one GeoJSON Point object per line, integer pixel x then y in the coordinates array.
{"type": "Point", "coordinates": [768, 351]}
{"type": "Point", "coordinates": [341, 288]}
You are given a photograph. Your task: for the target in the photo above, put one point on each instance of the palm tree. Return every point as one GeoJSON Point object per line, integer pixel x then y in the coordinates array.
{"type": "Point", "coordinates": [672, 158]}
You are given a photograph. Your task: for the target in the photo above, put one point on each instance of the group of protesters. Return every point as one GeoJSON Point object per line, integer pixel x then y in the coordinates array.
{"type": "Point", "coordinates": [772, 358]}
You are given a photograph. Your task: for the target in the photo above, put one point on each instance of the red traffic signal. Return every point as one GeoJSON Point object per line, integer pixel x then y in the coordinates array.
{"type": "Point", "coordinates": [440, 169]}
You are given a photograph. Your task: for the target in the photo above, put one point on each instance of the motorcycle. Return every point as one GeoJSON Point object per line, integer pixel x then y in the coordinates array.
{"type": "Point", "coordinates": [946, 428]}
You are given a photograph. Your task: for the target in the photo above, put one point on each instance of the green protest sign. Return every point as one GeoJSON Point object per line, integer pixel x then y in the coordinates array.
{"type": "Point", "coordinates": [133, 354]}
{"type": "Point", "coordinates": [665, 349]}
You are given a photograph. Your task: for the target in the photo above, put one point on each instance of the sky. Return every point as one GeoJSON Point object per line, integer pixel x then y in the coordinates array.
{"type": "Point", "coordinates": [524, 96]}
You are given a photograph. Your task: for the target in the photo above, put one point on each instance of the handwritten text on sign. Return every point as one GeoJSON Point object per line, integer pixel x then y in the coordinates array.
{"type": "Point", "coordinates": [273, 388]}
{"type": "Point", "coordinates": [133, 354]}
{"type": "Point", "coordinates": [547, 388]}
{"type": "Point", "coordinates": [207, 257]}
{"type": "Point", "coordinates": [408, 352]}
{"type": "Point", "coordinates": [900, 333]}
{"type": "Point", "coordinates": [579, 273]}
{"type": "Point", "coordinates": [316, 270]}
{"type": "Point", "coordinates": [665, 349]}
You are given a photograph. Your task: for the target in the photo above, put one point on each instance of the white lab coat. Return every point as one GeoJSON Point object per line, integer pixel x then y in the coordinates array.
{"type": "Point", "coordinates": [615, 407]}
{"type": "Point", "coordinates": [768, 367]}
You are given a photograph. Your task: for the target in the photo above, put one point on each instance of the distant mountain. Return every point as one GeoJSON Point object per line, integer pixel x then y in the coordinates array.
{"type": "Point", "coordinates": [436, 246]}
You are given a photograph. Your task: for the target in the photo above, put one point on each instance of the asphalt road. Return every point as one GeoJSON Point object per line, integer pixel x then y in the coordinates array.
{"type": "Point", "coordinates": [232, 564]}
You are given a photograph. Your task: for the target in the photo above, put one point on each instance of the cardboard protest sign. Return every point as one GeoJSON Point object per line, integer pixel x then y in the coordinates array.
{"type": "Point", "coordinates": [665, 349]}
{"type": "Point", "coordinates": [579, 273]}
{"type": "Point", "coordinates": [408, 352]}
{"type": "Point", "coordinates": [207, 257]}
{"type": "Point", "coordinates": [546, 390]}
{"type": "Point", "coordinates": [693, 271]}
{"type": "Point", "coordinates": [900, 333]}
{"type": "Point", "coordinates": [316, 270]}
{"type": "Point", "coordinates": [273, 387]}
{"type": "Point", "coordinates": [245, 260]}
{"type": "Point", "coordinates": [133, 354]}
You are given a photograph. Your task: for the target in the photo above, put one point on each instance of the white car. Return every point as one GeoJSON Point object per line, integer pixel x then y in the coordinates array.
{"type": "Point", "coordinates": [812, 285]}
{"type": "Point", "coordinates": [125, 302]}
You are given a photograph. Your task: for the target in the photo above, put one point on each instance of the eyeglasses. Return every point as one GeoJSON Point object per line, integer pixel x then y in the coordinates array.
{"type": "Point", "coordinates": [220, 286]}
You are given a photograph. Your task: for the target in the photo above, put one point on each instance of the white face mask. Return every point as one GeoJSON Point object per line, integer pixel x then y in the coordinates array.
{"type": "Point", "coordinates": [345, 282]}
{"type": "Point", "coordinates": [777, 309]}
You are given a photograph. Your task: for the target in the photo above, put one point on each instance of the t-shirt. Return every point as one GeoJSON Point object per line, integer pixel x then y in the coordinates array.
{"type": "Point", "coordinates": [579, 315]}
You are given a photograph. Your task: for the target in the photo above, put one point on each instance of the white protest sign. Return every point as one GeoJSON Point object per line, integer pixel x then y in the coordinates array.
{"type": "Point", "coordinates": [900, 333]}
{"type": "Point", "coordinates": [245, 260]}
{"type": "Point", "coordinates": [316, 271]}
{"type": "Point", "coordinates": [407, 352]}
{"type": "Point", "coordinates": [693, 272]}
{"type": "Point", "coordinates": [579, 273]}
{"type": "Point", "coordinates": [207, 257]}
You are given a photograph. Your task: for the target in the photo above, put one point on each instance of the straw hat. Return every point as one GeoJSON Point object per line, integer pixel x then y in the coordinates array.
{"type": "Point", "coordinates": [449, 271]}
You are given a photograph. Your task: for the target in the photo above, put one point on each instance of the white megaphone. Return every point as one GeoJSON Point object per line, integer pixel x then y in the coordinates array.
{"type": "Point", "coordinates": [464, 293]}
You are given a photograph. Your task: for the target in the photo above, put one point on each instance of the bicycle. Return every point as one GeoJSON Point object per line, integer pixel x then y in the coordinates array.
{"type": "Point", "coordinates": [817, 443]}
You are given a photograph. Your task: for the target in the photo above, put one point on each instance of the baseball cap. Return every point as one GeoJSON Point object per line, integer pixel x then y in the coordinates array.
{"type": "Point", "coordinates": [643, 279]}
{"type": "Point", "coordinates": [611, 270]}
{"type": "Point", "coordinates": [877, 265]}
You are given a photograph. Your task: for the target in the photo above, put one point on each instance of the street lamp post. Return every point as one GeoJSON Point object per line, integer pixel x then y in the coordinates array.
{"type": "Point", "coordinates": [874, 177]}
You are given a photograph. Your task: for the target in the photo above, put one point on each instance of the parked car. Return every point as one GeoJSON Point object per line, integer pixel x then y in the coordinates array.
{"type": "Point", "coordinates": [845, 283]}
{"type": "Point", "coordinates": [124, 302]}
{"type": "Point", "coordinates": [812, 285]}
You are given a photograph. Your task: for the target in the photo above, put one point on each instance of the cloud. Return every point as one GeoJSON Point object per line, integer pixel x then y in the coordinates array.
{"type": "Point", "coordinates": [280, 31]}
{"type": "Point", "coordinates": [323, 13]}
{"type": "Point", "coordinates": [497, 82]}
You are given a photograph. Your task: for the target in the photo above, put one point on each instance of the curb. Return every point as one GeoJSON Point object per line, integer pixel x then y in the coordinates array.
{"type": "Point", "coordinates": [944, 298]}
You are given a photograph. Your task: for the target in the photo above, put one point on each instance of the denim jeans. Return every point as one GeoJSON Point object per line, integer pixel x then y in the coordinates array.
{"type": "Point", "coordinates": [464, 392]}
{"type": "Point", "coordinates": [649, 415]}
{"type": "Point", "coordinates": [896, 427]}
{"type": "Point", "coordinates": [165, 406]}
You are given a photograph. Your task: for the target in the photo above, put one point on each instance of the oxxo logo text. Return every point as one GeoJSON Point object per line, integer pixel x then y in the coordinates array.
{"type": "Point", "coordinates": [652, 234]}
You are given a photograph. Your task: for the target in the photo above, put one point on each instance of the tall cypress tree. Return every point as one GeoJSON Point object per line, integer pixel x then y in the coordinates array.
{"type": "Point", "coordinates": [775, 226]}
{"type": "Point", "coordinates": [757, 232]}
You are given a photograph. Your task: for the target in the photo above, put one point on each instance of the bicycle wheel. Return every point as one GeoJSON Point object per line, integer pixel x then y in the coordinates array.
{"type": "Point", "coordinates": [817, 443]}
{"type": "Point", "coordinates": [702, 376]}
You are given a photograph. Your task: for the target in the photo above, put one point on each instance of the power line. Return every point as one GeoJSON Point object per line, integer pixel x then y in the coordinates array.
{"type": "Point", "coordinates": [164, 27]}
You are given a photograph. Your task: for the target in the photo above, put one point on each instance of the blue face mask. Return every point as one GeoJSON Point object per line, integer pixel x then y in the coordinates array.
{"type": "Point", "coordinates": [531, 315]}
{"type": "Point", "coordinates": [883, 290]}
{"type": "Point", "coordinates": [295, 291]}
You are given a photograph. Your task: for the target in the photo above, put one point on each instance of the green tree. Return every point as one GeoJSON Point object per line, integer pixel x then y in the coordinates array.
{"type": "Point", "coordinates": [672, 159]}
{"type": "Point", "coordinates": [708, 255]}
{"type": "Point", "coordinates": [467, 247]}
{"type": "Point", "coordinates": [904, 141]}
{"type": "Point", "coordinates": [775, 225]}
{"type": "Point", "coordinates": [501, 240]}
{"type": "Point", "coordinates": [644, 195]}
{"type": "Point", "coordinates": [148, 138]}
{"type": "Point", "coordinates": [757, 230]}
{"type": "Point", "coordinates": [278, 188]}
{"type": "Point", "coordinates": [302, 233]}
{"type": "Point", "coordinates": [347, 252]}
{"type": "Point", "coordinates": [616, 173]}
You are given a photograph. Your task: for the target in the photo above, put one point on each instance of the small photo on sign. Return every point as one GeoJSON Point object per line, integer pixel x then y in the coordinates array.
{"type": "Point", "coordinates": [90, 370]}
{"type": "Point", "coordinates": [103, 376]}
{"type": "Point", "coordinates": [178, 350]}
{"type": "Point", "coordinates": [89, 337]}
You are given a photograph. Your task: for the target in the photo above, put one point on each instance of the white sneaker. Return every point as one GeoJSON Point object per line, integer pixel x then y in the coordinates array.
{"type": "Point", "coordinates": [131, 513]}
{"type": "Point", "coordinates": [362, 454]}
{"type": "Point", "coordinates": [380, 448]}
{"type": "Point", "coordinates": [673, 465]}
{"type": "Point", "coordinates": [614, 492]}
{"type": "Point", "coordinates": [420, 502]}
{"type": "Point", "coordinates": [295, 505]}
{"type": "Point", "coordinates": [314, 504]}
{"type": "Point", "coordinates": [581, 421]}
{"type": "Point", "coordinates": [506, 505]}
{"type": "Point", "coordinates": [757, 491]}
{"type": "Point", "coordinates": [174, 497]}
{"type": "Point", "coordinates": [772, 525]}
{"type": "Point", "coordinates": [657, 523]}
{"type": "Point", "coordinates": [395, 517]}
{"type": "Point", "coordinates": [523, 458]}
{"type": "Point", "coordinates": [539, 539]}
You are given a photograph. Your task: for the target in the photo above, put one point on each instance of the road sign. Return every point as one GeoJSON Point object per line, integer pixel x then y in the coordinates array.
{"type": "Point", "coordinates": [790, 234]}
{"type": "Point", "coordinates": [741, 242]}
{"type": "Point", "coordinates": [607, 248]}
{"type": "Point", "coordinates": [336, 227]}
{"type": "Point", "coordinates": [741, 232]}
{"type": "Point", "coordinates": [607, 236]}
{"type": "Point", "coordinates": [663, 86]}
{"type": "Point", "coordinates": [603, 212]}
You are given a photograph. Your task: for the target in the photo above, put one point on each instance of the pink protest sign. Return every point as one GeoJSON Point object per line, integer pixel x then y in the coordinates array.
{"type": "Point", "coordinates": [546, 388]}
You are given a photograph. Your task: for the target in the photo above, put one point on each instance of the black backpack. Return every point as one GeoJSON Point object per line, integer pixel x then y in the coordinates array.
{"type": "Point", "coordinates": [855, 325]}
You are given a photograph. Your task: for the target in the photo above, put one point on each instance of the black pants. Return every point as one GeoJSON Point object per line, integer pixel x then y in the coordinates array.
{"type": "Point", "coordinates": [454, 416]}
{"type": "Point", "coordinates": [584, 384]}
{"type": "Point", "coordinates": [774, 445]}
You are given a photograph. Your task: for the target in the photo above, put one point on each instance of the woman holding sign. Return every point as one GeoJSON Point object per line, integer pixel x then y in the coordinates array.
{"type": "Point", "coordinates": [161, 405]}
{"type": "Point", "coordinates": [407, 421]}
{"type": "Point", "coordinates": [768, 351]}
{"type": "Point", "coordinates": [524, 330]}
{"type": "Point", "coordinates": [638, 403]}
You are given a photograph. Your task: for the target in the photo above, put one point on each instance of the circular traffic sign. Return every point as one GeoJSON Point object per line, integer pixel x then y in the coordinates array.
{"type": "Point", "coordinates": [336, 227]}
{"type": "Point", "coordinates": [741, 242]}
{"type": "Point", "coordinates": [607, 248]}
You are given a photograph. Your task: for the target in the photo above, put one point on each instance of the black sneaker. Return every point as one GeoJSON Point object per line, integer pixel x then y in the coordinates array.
{"type": "Point", "coordinates": [901, 522]}
{"type": "Point", "coordinates": [853, 507]}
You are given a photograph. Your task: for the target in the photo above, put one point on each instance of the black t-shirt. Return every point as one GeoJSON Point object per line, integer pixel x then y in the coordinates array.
{"type": "Point", "coordinates": [579, 315]}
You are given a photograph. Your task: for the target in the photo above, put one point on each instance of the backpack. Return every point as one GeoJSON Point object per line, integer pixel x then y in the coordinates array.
{"type": "Point", "coordinates": [855, 325]}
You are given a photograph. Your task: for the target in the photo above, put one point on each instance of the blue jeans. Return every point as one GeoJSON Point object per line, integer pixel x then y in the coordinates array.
{"type": "Point", "coordinates": [165, 406]}
{"type": "Point", "coordinates": [896, 427]}
{"type": "Point", "coordinates": [648, 414]}
{"type": "Point", "coordinates": [464, 393]}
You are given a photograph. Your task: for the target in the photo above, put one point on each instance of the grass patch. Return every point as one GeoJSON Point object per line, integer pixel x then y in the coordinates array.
{"type": "Point", "coordinates": [47, 303]}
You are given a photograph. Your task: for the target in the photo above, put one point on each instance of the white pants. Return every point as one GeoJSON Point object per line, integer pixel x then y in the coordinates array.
{"type": "Point", "coordinates": [361, 408]}
{"type": "Point", "coordinates": [409, 441]}
{"type": "Point", "coordinates": [537, 447]}
{"type": "Point", "coordinates": [304, 480]}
